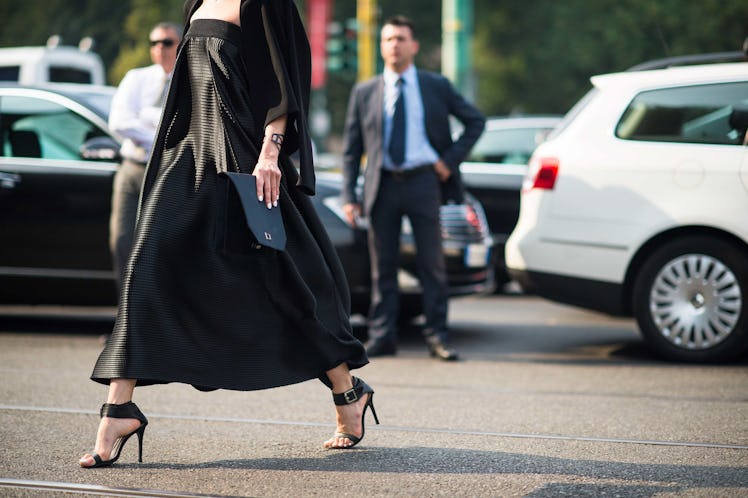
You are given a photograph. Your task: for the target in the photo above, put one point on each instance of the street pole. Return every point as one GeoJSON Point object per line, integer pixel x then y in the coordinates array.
{"type": "Point", "coordinates": [366, 16]}
{"type": "Point", "coordinates": [457, 33]}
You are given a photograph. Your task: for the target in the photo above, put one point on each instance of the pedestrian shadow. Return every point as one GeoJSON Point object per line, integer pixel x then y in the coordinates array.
{"type": "Point", "coordinates": [445, 461]}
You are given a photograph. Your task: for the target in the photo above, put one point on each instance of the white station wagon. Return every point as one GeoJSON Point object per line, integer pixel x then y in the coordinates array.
{"type": "Point", "coordinates": [638, 205]}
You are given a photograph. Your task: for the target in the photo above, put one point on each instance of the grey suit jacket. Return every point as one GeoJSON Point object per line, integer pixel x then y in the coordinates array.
{"type": "Point", "coordinates": [364, 126]}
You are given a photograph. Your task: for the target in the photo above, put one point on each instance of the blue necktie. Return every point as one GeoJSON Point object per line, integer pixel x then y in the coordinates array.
{"type": "Point", "coordinates": [397, 135]}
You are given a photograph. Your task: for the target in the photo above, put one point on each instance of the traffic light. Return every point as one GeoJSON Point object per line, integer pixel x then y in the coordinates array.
{"type": "Point", "coordinates": [350, 45]}
{"type": "Point", "coordinates": [334, 47]}
{"type": "Point", "coordinates": [342, 47]}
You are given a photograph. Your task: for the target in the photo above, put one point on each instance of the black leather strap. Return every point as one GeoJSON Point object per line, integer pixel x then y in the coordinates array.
{"type": "Point", "coordinates": [352, 395]}
{"type": "Point", "coordinates": [125, 410]}
{"type": "Point", "coordinates": [348, 397]}
{"type": "Point", "coordinates": [353, 438]}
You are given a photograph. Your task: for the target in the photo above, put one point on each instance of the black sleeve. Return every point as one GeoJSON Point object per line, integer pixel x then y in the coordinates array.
{"type": "Point", "coordinates": [278, 65]}
{"type": "Point", "coordinates": [188, 9]}
{"type": "Point", "coordinates": [353, 148]}
{"type": "Point", "coordinates": [473, 121]}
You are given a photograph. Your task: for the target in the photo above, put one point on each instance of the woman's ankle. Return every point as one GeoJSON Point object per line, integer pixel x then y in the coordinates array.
{"type": "Point", "coordinates": [340, 378]}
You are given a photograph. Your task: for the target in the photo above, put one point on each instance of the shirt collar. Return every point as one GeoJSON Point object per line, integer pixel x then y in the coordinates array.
{"type": "Point", "coordinates": [391, 77]}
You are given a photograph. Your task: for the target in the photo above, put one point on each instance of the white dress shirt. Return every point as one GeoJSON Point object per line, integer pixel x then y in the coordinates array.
{"type": "Point", "coordinates": [418, 150]}
{"type": "Point", "coordinates": [135, 112]}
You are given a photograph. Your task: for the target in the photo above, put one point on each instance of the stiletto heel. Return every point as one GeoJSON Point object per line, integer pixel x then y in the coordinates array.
{"type": "Point", "coordinates": [140, 433]}
{"type": "Point", "coordinates": [125, 410]}
{"type": "Point", "coordinates": [352, 396]}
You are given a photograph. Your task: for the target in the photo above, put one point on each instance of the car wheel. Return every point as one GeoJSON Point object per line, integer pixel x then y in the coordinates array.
{"type": "Point", "coordinates": [691, 300]}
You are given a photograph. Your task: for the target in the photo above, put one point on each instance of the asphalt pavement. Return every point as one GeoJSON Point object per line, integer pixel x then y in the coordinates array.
{"type": "Point", "coordinates": [548, 401]}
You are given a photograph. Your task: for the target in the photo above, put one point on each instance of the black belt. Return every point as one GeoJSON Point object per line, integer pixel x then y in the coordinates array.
{"type": "Point", "coordinates": [402, 174]}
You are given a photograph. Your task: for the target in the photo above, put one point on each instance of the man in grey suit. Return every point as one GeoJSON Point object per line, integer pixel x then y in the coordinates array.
{"type": "Point", "coordinates": [400, 120]}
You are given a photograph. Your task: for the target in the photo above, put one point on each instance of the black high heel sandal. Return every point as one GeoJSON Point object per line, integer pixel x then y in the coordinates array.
{"type": "Point", "coordinates": [125, 410]}
{"type": "Point", "coordinates": [349, 397]}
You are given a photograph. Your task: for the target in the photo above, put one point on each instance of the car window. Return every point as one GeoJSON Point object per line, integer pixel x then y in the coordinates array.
{"type": "Point", "coordinates": [508, 146]}
{"type": "Point", "coordinates": [35, 127]}
{"type": "Point", "coordinates": [9, 73]}
{"type": "Point", "coordinates": [65, 74]}
{"type": "Point", "coordinates": [101, 102]}
{"type": "Point", "coordinates": [691, 114]}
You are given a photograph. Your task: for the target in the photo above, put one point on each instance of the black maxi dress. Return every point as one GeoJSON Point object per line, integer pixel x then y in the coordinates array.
{"type": "Point", "coordinates": [190, 313]}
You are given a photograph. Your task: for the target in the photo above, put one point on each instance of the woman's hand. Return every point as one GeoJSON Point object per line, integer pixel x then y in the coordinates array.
{"type": "Point", "coordinates": [268, 180]}
{"type": "Point", "coordinates": [267, 172]}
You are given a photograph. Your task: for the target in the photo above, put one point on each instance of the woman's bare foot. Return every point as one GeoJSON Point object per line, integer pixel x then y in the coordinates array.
{"type": "Point", "coordinates": [348, 418]}
{"type": "Point", "coordinates": [110, 429]}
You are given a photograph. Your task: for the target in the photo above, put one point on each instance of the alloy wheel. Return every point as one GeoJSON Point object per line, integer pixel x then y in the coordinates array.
{"type": "Point", "coordinates": [695, 301]}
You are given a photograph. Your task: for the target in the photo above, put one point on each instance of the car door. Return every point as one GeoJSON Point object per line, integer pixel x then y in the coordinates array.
{"type": "Point", "coordinates": [54, 206]}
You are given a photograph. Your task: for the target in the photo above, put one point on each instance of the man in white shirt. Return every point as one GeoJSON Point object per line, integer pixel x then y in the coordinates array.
{"type": "Point", "coordinates": [135, 114]}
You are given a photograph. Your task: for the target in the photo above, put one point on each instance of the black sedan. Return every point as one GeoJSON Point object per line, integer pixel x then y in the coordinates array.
{"type": "Point", "coordinates": [56, 166]}
{"type": "Point", "coordinates": [495, 169]}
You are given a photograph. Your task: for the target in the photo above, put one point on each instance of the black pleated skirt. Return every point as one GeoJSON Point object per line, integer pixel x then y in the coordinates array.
{"type": "Point", "coordinates": [191, 313]}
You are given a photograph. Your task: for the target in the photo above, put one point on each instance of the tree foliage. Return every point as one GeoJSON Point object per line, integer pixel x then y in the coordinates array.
{"type": "Point", "coordinates": [537, 56]}
{"type": "Point", "coordinates": [529, 55]}
{"type": "Point", "coordinates": [141, 18]}
{"type": "Point", "coordinates": [32, 22]}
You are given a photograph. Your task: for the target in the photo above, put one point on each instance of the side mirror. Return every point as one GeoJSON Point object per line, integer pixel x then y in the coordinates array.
{"type": "Point", "coordinates": [100, 149]}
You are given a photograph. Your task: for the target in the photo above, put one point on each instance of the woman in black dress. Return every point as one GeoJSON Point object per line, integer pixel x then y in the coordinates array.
{"type": "Point", "coordinates": [192, 313]}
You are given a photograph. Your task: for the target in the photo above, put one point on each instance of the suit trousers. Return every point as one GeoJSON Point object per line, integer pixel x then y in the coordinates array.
{"type": "Point", "coordinates": [128, 183]}
{"type": "Point", "coordinates": [419, 198]}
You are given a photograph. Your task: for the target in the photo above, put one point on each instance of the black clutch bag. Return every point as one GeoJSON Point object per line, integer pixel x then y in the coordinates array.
{"type": "Point", "coordinates": [244, 223]}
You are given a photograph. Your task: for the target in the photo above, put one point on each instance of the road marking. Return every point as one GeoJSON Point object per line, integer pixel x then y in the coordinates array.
{"type": "Point", "coordinates": [426, 430]}
{"type": "Point", "coordinates": [93, 489]}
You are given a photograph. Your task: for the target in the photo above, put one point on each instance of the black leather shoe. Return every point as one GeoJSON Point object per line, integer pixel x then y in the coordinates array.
{"type": "Point", "coordinates": [380, 347]}
{"type": "Point", "coordinates": [440, 349]}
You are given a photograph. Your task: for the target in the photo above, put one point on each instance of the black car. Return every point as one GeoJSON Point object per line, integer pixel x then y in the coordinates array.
{"type": "Point", "coordinates": [495, 169]}
{"type": "Point", "coordinates": [56, 166]}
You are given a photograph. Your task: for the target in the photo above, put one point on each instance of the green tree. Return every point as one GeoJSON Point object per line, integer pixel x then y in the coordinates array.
{"type": "Point", "coordinates": [32, 22]}
{"type": "Point", "coordinates": [538, 56]}
{"type": "Point", "coordinates": [529, 55]}
{"type": "Point", "coordinates": [134, 48]}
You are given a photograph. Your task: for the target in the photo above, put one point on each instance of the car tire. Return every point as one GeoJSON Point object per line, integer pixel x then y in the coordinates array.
{"type": "Point", "coordinates": [690, 299]}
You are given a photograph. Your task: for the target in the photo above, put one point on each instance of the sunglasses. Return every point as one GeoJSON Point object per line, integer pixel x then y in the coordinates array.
{"type": "Point", "coordinates": [166, 42]}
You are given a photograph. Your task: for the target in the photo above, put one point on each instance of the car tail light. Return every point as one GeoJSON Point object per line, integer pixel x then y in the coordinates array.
{"type": "Point", "coordinates": [472, 217]}
{"type": "Point", "coordinates": [541, 174]}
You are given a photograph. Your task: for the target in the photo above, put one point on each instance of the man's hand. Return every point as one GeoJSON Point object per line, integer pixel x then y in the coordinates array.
{"type": "Point", "coordinates": [442, 170]}
{"type": "Point", "coordinates": [351, 212]}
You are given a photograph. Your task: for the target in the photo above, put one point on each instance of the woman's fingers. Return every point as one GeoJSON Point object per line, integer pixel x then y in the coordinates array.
{"type": "Point", "coordinates": [259, 184]}
{"type": "Point", "coordinates": [276, 191]}
{"type": "Point", "coordinates": [268, 184]}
